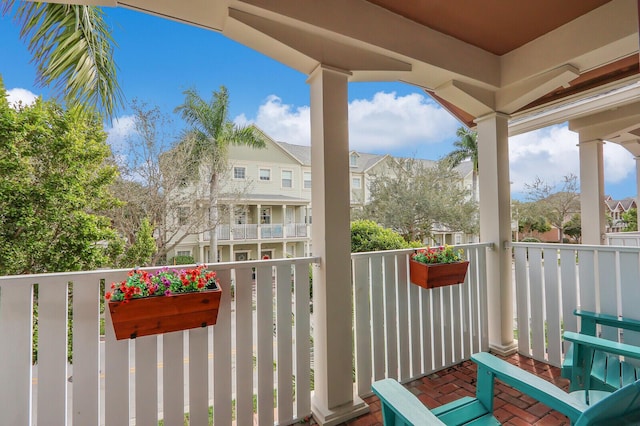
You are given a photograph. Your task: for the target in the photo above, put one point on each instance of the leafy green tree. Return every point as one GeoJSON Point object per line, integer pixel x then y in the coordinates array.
{"type": "Point", "coordinates": [413, 198]}
{"type": "Point", "coordinates": [366, 235]}
{"type": "Point", "coordinates": [466, 149]}
{"type": "Point", "coordinates": [53, 183]}
{"type": "Point", "coordinates": [573, 228]}
{"type": "Point", "coordinates": [557, 202]}
{"type": "Point", "coordinates": [530, 218]}
{"type": "Point", "coordinates": [141, 251]}
{"type": "Point", "coordinates": [72, 48]}
{"type": "Point", "coordinates": [207, 139]}
{"type": "Point", "coordinates": [631, 219]}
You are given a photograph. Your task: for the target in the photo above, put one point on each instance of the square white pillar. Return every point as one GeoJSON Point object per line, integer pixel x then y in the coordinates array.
{"type": "Point", "coordinates": [333, 401]}
{"type": "Point", "coordinates": [495, 226]}
{"type": "Point", "coordinates": [593, 217]}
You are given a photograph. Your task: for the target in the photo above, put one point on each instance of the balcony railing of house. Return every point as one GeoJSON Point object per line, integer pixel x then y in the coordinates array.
{"type": "Point", "coordinates": [250, 231]}
{"type": "Point", "coordinates": [401, 331]}
{"type": "Point", "coordinates": [551, 280]}
{"type": "Point", "coordinates": [623, 239]}
{"type": "Point", "coordinates": [295, 230]}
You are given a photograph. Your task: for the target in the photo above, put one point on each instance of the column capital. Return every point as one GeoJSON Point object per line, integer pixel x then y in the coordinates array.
{"type": "Point", "coordinates": [494, 114]}
{"type": "Point", "coordinates": [591, 141]}
{"type": "Point", "coordinates": [324, 67]}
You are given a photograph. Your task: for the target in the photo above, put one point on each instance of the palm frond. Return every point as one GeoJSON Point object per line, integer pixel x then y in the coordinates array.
{"type": "Point", "coordinates": [72, 49]}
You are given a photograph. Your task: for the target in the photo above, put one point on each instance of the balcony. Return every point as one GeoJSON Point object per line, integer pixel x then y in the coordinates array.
{"type": "Point", "coordinates": [250, 231]}
{"type": "Point", "coordinates": [246, 362]}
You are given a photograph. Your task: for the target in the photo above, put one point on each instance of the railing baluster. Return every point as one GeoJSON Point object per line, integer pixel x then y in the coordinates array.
{"type": "Point", "coordinates": [244, 346]}
{"type": "Point", "coordinates": [264, 314]}
{"type": "Point", "coordinates": [222, 354]}
{"type": "Point", "coordinates": [172, 374]}
{"type": "Point", "coordinates": [146, 380]}
{"type": "Point", "coordinates": [86, 349]}
{"type": "Point", "coordinates": [52, 353]}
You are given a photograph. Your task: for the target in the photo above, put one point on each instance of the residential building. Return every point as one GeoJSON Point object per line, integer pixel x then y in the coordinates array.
{"type": "Point", "coordinates": [615, 209]}
{"type": "Point", "coordinates": [266, 203]}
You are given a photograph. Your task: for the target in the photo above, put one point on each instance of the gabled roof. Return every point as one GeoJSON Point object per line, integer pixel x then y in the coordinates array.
{"type": "Point", "coordinates": [621, 205]}
{"type": "Point", "coordinates": [364, 161]}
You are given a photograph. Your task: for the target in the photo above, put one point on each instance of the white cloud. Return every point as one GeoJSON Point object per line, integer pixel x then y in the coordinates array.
{"type": "Point", "coordinates": [385, 122]}
{"type": "Point", "coordinates": [619, 163]}
{"type": "Point", "coordinates": [14, 96]}
{"type": "Point", "coordinates": [552, 153]}
{"type": "Point", "coordinates": [391, 122]}
{"type": "Point", "coordinates": [282, 122]}
{"type": "Point", "coordinates": [119, 131]}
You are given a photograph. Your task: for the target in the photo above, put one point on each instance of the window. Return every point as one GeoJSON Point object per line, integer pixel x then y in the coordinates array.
{"type": "Point", "coordinates": [241, 217]}
{"type": "Point", "coordinates": [183, 253]}
{"type": "Point", "coordinates": [265, 216]}
{"type": "Point", "coordinates": [356, 183]}
{"type": "Point", "coordinates": [307, 180]}
{"type": "Point", "coordinates": [287, 179]}
{"type": "Point", "coordinates": [183, 215]}
{"type": "Point", "coordinates": [353, 160]}
{"type": "Point", "coordinates": [265, 174]}
{"type": "Point", "coordinates": [239, 172]}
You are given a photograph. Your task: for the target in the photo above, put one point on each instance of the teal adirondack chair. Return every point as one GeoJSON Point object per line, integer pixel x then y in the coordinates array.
{"type": "Point", "coordinates": [400, 407]}
{"type": "Point", "coordinates": [595, 363]}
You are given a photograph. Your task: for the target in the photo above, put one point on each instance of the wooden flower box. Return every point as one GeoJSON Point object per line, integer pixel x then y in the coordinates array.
{"type": "Point", "coordinates": [437, 274]}
{"type": "Point", "coordinates": [163, 314]}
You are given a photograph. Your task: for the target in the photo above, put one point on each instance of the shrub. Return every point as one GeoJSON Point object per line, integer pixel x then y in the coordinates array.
{"type": "Point", "coordinates": [366, 235]}
{"type": "Point", "coordinates": [182, 260]}
{"type": "Point", "coordinates": [530, 240]}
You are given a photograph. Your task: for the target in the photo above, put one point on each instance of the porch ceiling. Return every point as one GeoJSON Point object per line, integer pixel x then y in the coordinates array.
{"type": "Point", "coordinates": [473, 57]}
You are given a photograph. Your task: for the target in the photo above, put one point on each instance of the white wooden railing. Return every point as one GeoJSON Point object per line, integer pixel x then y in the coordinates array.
{"type": "Point", "coordinates": [623, 239]}
{"type": "Point", "coordinates": [551, 280]}
{"type": "Point", "coordinates": [112, 382]}
{"type": "Point", "coordinates": [406, 332]}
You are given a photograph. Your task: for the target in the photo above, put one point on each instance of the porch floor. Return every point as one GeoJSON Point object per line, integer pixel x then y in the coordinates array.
{"type": "Point", "coordinates": [511, 406]}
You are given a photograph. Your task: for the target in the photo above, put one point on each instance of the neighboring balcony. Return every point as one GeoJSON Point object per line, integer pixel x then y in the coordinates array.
{"type": "Point", "coordinates": [256, 364]}
{"type": "Point", "coordinates": [244, 232]}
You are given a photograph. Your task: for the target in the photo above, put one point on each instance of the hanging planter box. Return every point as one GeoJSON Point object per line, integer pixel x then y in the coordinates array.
{"type": "Point", "coordinates": [164, 314]}
{"type": "Point", "coordinates": [437, 274]}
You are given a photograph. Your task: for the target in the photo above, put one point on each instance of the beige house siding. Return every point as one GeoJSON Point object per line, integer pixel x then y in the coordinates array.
{"type": "Point", "coordinates": [276, 219]}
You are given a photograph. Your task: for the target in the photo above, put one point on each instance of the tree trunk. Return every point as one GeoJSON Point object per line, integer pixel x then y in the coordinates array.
{"type": "Point", "coordinates": [213, 218]}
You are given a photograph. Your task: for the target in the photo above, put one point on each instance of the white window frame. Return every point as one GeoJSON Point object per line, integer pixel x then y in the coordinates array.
{"type": "Point", "coordinates": [260, 170]}
{"type": "Point", "coordinates": [353, 160]}
{"type": "Point", "coordinates": [244, 173]}
{"type": "Point", "coordinates": [183, 253]}
{"type": "Point", "coordinates": [265, 213]}
{"type": "Point", "coordinates": [282, 179]}
{"type": "Point", "coordinates": [356, 179]}
{"type": "Point", "coordinates": [305, 180]}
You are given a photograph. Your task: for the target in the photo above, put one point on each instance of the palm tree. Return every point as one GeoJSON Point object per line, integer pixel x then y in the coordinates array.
{"type": "Point", "coordinates": [72, 49]}
{"type": "Point", "coordinates": [466, 148]}
{"type": "Point", "coordinates": [210, 134]}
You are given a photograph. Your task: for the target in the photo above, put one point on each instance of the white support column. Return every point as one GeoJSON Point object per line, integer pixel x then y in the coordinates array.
{"type": "Point", "coordinates": [333, 401]}
{"type": "Point", "coordinates": [495, 226]}
{"type": "Point", "coordinates": [637, 184]}
{"type": "Point", "coordinates": [592, 209]}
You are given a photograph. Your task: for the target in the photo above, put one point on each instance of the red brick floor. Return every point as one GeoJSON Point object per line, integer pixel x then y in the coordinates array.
{"type": "Point", "coordinates": [511, 406]}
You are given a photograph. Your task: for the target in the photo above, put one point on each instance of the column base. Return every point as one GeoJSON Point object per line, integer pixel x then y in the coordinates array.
{"type": "Point", "coordinates": [504, 350]}
{"type": "Point", "coordinates": [331, 417]}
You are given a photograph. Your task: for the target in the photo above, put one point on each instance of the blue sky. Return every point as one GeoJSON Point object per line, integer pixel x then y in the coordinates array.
{"type": "Point", "coordinates": [158, 59]}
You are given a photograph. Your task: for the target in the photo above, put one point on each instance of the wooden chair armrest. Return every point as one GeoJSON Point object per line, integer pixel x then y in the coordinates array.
{"type": "Point", "coordinates": [529, 384]}
{"type": "Point", "coordinates": [603, 345]}
{"type": "Point", "coordinates": [396, 398]}
{"type": "Point", "coordinates": [608, 320]}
